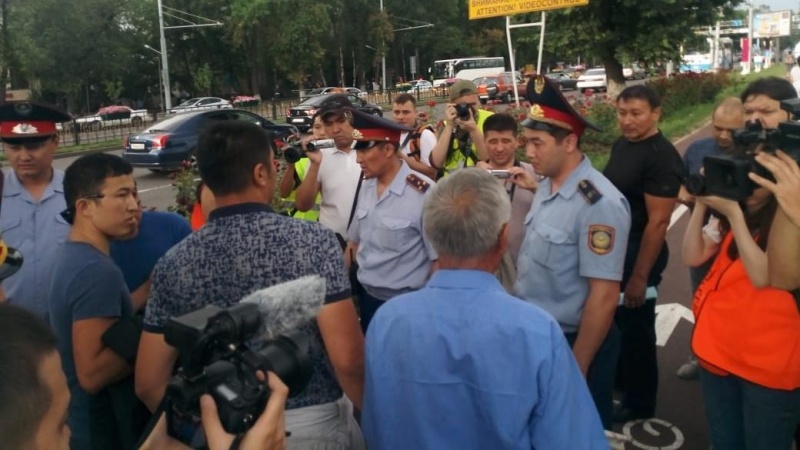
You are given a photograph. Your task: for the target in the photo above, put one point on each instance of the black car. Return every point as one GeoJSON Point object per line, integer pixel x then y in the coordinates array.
{"type": "Point", "coordinates": [564, 81]}
{"type": "Point", "coordinates": [301, 115]}
{"type": "Point", "coordinates": [164, 146]}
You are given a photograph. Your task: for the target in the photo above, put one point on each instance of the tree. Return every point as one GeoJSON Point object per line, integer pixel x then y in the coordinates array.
{"type": "Point", "coordinates": [618, 31]}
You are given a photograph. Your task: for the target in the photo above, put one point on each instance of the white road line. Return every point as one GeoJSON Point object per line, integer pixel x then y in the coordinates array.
{"type": "Point", "coordinates": [142, 191]}
{"type": "Point", "coordinates": [676, 215]}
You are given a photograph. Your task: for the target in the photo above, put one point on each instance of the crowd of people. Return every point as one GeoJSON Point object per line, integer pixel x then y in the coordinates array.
{"type": "Point", "coordinates": [472, 298]}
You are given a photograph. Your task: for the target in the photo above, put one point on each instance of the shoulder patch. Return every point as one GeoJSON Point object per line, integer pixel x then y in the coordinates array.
{"type": "Point", "coordinates": [417, 183]}
{"type": "Point", "coordinates": [601, 239]}
{"type": "Point", "coordinates": [589, 191]}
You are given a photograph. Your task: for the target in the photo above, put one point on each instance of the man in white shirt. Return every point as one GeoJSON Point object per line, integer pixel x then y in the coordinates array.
{"type": "Point", "coordinates": [333, 172]}
{"type": "Point", "coordinates": [415, 150]}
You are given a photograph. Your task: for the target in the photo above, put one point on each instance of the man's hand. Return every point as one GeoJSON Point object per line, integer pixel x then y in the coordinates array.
{"type": "Point", "coordinates": [468, 125]}
{"type": "Point", "coordinates": [315, 157]}
{"type": "Point", "coordinates": [450, 113]}
{"type": "Point", "coordinates": [523, 178]}
{"type": "Point", "coordinates": [685, 198]}
{"type": "Point", "coordinates": [269, 431]}
{"type": "Point", "coordinates": [635, 292]}
{"type": "Point", "coordinates": [483, 165]}
{"type": "Point", "coordinates": [786, 187]}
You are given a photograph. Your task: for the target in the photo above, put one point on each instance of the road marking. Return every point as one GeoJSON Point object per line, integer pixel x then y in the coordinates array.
{"type": "Point", "coordinates": [667, 318]}
{"type": "Point", "coordinates": [142, 191]}
{"type": "Point", "coordinates": [647, 426]}
{"type": "Point", "coordinates": [676, 215]}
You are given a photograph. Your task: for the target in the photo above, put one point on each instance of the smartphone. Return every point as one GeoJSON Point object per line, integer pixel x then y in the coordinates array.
{"type": "Point", "coordinates": [500, 174]}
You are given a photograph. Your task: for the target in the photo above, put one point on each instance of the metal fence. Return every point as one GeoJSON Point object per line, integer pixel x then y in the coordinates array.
{"type": "Point", "coordinates": [114, 133]}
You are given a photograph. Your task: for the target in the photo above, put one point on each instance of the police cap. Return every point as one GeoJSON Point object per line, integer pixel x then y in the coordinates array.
{"type": "Point", "coordinates": [550, 109]}
{"type": "Point", "coordinates": [369, 130]}
{"type": "Point", "coordinates": [25, 121]}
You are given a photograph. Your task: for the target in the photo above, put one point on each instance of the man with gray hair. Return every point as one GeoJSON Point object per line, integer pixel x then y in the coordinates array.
{"type": "Point", "coordinates": [462, 364]}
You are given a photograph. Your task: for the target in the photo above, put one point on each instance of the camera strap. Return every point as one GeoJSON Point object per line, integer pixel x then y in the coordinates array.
{"type": "Point", "coordinates": [343, 239]}
{"type": "Point", "coordinates": [237, 441]}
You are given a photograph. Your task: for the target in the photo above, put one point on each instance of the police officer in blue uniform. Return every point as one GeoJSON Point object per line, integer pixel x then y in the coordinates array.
{"type": "Point", "coordinates": [386, 235]}
{"type": "Point", "coordinates": [33, 198]}
{"type": "Point", "coordinates": [572, 255]}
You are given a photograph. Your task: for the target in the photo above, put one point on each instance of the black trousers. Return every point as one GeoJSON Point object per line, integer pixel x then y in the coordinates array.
{"type": "Point", "coordinates": [637, 371]}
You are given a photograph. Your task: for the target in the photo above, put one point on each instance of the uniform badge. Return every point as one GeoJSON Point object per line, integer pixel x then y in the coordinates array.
{"type": "Point", "coordinates": [589, 192]}
{"type": "Point", "coordinates": [536, 112]}
{"type": "Point", "coordinates": [357, 134]}
{"type": "Point", "coordinates": [417, 183]}
{"type": "Point", "coordinates": [601, 239]}
{"type": "Point", "coordinates": [24, 128]}
{"type": "Point", "coordinates": [538, 85]}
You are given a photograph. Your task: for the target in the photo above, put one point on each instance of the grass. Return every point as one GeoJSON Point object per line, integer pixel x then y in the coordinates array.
{"type": "Point", "coordinates": [689, 119]}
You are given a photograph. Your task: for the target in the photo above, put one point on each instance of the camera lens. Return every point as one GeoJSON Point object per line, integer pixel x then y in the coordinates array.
{"type": "Point", "coordinates": [696, 184]}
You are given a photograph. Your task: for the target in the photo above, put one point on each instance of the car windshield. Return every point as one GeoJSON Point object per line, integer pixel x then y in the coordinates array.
{"type": "Point", "coordinates": [190, 102]}
{"type": "Point", "coordinates": [314, 101]}
{"type": "Point", "coordinates": [595, 72]}
{"type": "Point", "coordinates": [316, 91]}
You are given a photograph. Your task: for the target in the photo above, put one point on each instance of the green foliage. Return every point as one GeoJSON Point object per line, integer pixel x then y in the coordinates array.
{"type": "Point", "coordinates": [185, 187]}
{"type": "Point", "coordinates": [113, 89]}
{"type": "Point", "coordinates": [203, 79]}
{"type": "Point", "coordinates": [686, 89]}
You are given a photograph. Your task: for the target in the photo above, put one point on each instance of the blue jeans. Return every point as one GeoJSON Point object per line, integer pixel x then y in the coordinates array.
{"type": "Point", "coordinates": [600, 377]}
{"type": "Point", "coordinates": [745, 416]}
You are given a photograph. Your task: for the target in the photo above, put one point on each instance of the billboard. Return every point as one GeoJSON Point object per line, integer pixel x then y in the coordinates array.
{"type": "Point", "coordinates": [773, 24]}
{"type": "Point", "coordinates": [481, 9]}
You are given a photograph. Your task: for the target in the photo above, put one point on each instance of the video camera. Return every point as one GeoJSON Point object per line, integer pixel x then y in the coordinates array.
{"type": "Point", "coordinates": [216, 359]}
{"type": "Point", "coordinates": [293, 150]}
{"type": "Point", "coordinates": [726, 175]}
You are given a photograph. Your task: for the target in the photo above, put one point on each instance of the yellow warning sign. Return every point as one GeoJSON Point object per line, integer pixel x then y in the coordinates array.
{"type": "Point", "coordinates": [481, 9]}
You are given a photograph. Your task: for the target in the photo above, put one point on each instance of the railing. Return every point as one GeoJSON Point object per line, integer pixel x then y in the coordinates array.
{"type": "Point", "coordinates": [99, 132]}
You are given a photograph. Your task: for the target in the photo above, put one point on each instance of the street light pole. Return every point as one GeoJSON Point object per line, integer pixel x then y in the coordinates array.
{"type": "Point", "coordinates": [383, 61]}
{"type": "Point", "coordinates": [164, 61]}
{"type": "Point", "coordinates": [160, 76]}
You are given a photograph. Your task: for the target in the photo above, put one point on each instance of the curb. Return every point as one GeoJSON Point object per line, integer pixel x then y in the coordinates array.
{"type": "Point", "coordinates": [61, 155]}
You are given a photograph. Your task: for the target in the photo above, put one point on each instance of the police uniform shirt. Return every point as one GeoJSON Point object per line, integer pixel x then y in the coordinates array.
{"type": "Point", "coordinates": [393, 255]}
{"type": "Point", "coordinates": [576, 233]}
{"type": "Point", "coordinates": [38, 231]}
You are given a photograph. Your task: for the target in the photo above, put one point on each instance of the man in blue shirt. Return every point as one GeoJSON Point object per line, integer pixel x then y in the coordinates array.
{"type": "Point", "coordinates": [460, 363]}
{"type": "Point", "coordinates": [33, 197]}
{"type": "Point", "coordinates": [89, 303]}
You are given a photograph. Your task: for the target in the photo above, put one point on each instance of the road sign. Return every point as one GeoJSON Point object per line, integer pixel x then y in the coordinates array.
{"type": "Point", "coordinates": [481, 9]}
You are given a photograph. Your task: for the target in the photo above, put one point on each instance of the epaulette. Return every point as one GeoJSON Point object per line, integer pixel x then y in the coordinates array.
{"type": "Point", "coordinates": [589, 192]}
{"type": "Point", "coordinates": [417, 183]}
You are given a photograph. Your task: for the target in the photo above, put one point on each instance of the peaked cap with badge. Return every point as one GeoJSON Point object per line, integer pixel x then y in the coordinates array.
{"type": "Point", "coordinates": [550, 109]}
{"type": "Point", "coordinates": [369, 130]}
{"type": "Point", "coordinates": [23, 121]}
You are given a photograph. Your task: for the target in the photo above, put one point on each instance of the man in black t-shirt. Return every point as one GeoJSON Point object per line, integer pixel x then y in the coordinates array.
{"type": "Point", "coordinates": [647, 169]}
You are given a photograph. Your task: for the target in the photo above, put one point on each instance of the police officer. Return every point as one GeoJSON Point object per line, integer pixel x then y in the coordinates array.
{"type": "Point", "coordinates": [572, 255]}
{"type": "Point", "coordinates": [386, 234]}
{"type": "Point", "coordinates": [33, 198]}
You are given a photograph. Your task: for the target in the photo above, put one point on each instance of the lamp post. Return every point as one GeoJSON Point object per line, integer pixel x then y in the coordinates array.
{"type": "Point", "coordinates": [164, 61]}
{"type": "Point", "coordinates": [160, 76]}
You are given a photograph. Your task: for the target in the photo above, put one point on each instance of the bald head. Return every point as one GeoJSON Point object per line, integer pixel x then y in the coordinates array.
{"type": "Point", "coordinates": [728, 116]}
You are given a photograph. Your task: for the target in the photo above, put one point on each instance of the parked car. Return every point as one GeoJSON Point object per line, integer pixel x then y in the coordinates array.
{"type": "Point", "coordinates": [420, 85]}
{"type": "Point", "coordinates": [593, 79]}
{"type": "Point", "coordinates": [634, 73]}
{"type": "Point", "coordinates": [201, 103]}
{"type": "Point", "coordinates": [301, 115]}
{"type": "Point", "coordinates": [487, 88]}
{"type": "Point", "coordinates": [111, 116]}
{"type": "Point", "coordinates": [564, 81]}
{"type": "Point", "coordinates": [164, 145]}
{"type": "Point", "coordinates": [335, 90]}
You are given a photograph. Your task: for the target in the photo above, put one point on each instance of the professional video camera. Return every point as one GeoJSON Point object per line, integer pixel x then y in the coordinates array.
{"type": "Point", "coordinates": [293, 150]}
{"type": "Point", "coordinates": [726, 175]}
{"type": "Point", "coordinates": [217, 359]}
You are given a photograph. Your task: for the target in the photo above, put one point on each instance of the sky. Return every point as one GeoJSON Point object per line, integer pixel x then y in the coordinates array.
{"type": "Point", "coordinates": [778, 5]}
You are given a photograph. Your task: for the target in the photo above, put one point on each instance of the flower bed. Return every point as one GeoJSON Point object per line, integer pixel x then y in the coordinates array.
{"type": "Point", "coordinates": [244, 101]}
{"type": "Point", "coordinates": [114, 113]}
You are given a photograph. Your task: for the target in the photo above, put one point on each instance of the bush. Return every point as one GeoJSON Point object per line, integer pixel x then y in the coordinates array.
{"type": "Point", "coordinates": [688, 89]}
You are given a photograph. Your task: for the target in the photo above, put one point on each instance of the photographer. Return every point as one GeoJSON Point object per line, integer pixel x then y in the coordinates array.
{"type": "Point", "coordinates": [295, 174]}
{"type": "Point", "coordinates": [461, 142]}
{"type": "Point", "coordinates": [746, 333]}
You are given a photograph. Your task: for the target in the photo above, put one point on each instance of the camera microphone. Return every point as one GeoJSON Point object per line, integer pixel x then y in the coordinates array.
{"type": "Point", "coordinates": [286, 306]}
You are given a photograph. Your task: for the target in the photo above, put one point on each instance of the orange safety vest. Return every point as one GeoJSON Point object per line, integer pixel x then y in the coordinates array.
{"type": "Point", "coordinates": [197, 220]}
{"type": "Point", "coordinates": [745, 331]}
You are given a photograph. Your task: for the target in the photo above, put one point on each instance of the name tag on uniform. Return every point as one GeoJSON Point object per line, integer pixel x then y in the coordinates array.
{"type": "Point", "coordinates": [650, 294]}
